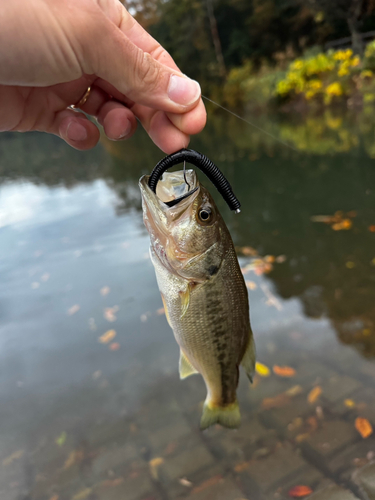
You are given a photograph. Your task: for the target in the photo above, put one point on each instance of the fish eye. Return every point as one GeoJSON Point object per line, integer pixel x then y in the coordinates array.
{"type": "Point", "coordinates": [205, 214]}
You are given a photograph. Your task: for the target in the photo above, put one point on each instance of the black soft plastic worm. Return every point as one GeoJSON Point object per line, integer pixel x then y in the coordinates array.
{"type": "Point", "coordinates": [203, 163]}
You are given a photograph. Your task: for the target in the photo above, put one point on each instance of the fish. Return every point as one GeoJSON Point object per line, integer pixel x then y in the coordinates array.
{"type": "Point", "coordinates": [202, 288]}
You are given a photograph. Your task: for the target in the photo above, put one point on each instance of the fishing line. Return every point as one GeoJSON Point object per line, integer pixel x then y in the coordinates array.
{"type": "Point", "coordinates": [186, 182]}
{"type": "Point", "coordinates": [252, 124]}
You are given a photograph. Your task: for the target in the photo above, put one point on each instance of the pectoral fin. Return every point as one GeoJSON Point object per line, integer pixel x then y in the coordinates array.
{"type": "Point", "coordinates": [185, 300]}
{"type": "Point", "coordinates": [248, 360]}
{"type": "Point", "coordinates": [186, 368]}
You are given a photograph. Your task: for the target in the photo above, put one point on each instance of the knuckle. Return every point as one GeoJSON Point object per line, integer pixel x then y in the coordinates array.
{"type": "Point", "coordinates": [148, 72]}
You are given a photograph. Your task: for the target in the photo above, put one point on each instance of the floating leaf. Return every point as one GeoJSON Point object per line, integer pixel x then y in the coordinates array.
{"type": "Point", "coordinates": [115, 346]}
{"type": "Point", "coordinates": [160, 311]}
{"type": "Point", "coordinates": [349, 403]}
{"type": "Point", "coordinates": [107, 336]}
{"type": "Point", "coordinates": [74, 456]}
{"type": "Point", "coordinates": [110, 313]}
{"type": "Point", "coordinates": [294, 391]}
{"type": "Point", "coordinates": [14, 456]}
{"type": "Point", "coordinates": [72, 310]}
{"type": "Point", "coordinates": [105, 291]}
{"type": "Point", "coordinates": [275, 402]}
{"type": "Point", "coordinates": [262, 370]}
{"type": "Point", "coordinates": [313, 423]}
{"type": "Point", "coordinates": [364, 427]}
{"type": "Point", "coordinates": [280, 259]}
{"type": "Point", "coordinates": [185, 482]}
{"type": "Point", "coordinates": [300, 491]}
{"type": "Point", "coordinates": [241, 467]}
{"type": "Point", "coordinates": [207, 484]}
{"type": "Point", "coordinates": [251, 285]}
{"type": "Point", "coordinates": [372, 228]}
{"type": "Point", "coordinates": [154, 464]}
{"type": "Point", "coordinates": [302, 437]}
{"type": "Point", "coordinates": [61, 439]}
{"type": "Point", "coordinates": [284, 371]}
{"type": "Point", "coordinates": [314, 394]}
{"type": "Point", "coordinates": [248, 251]}
{"type": "Point", "coordinates": [343, 225]}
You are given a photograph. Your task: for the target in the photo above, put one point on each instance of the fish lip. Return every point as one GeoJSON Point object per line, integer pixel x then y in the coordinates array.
{"type": "Point", "coordinates": [163, 211]}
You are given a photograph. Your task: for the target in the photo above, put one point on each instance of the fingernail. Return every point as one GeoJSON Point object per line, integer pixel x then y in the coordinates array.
{"type": "Point", "coordinates": [76, 132]}
{"type": "Point", "coordinates": [183, 90]}
{"type": "Point", "coordinates": [125, 132]}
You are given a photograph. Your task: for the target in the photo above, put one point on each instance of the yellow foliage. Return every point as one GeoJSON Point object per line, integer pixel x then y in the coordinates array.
{"type": "Point", "coordinates": [335, 89]}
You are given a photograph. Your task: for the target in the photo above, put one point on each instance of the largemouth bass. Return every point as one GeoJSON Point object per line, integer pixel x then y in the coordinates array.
{"type": "Point", "coordinates": [202, 288]}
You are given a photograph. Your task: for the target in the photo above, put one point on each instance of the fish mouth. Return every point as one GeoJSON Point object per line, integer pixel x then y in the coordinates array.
{"type": "Point", "coordinates": [173, 196]}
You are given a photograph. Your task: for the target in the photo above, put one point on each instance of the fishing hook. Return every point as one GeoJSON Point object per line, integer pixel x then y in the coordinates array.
{"type": "Point", "coordinates": [205, 165]}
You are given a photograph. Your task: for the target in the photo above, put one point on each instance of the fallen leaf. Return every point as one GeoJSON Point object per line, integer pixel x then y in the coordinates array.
{"type": "Point", "coordinates": [210, 482]}
{"type": "Point", "coordinates": [72, 310]}
{"type": "Point", "coordinates": [70, 460]}
{"type": "Point", "coordinates": [343, 225]}
{"type": "Point", "coordinates": [364, 427]}
{"type": "Point", "coordinates": [110, 313]}
{"type": "Point", "coordinates": [14, 456]}
{"type": "Point", "coordinates": [275, 402]}
{"type": "Point", "coordinates": [350, 264]}
{"type": "Point", "coordinates": [241, 467]}
{"type": "Point", "coordinates": [154, 464]}
{"type": "Point", "coordinates": [185, 482]}
{"type": "Point", "coordinates": [313, 423]}
{"type": "Point", "coordinates": [61, 439]}
{"type": "Point", "coordinates": [82, 494]}
{"type": "Point", "coordinates": [349, 403]}
{"type": "Point", "coordinates": [115, 346]}
{"type": "Point", "coordinates": [284, 371]}
{"type": "Point", "coordinates": [160, 311]}
{"type": "Point", "coordinates": [300, 491]}
{"type": "Point", "coordinates": [372, 228]}
{"type": "Point", "coordinates": [294, 391]}
{"type": "Point", "coordinates": [302, 437]}
{"type": "Point", "coordinates": [248, 251]}
{"type": "Point", "coordinates": [280, 259]}
{"type": "Point", "coordinates": [262, 370]}
{"type": "Point", "coordinates": [105, 291]}
{"type": "Point", "coordinates": [107, 336]}
{"type": "Point", "coordinates": [314, 394]}
{"type": "Point", "coordinates": [251, 285]}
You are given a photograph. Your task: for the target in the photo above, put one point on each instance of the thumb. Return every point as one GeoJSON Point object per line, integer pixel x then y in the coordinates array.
{"type": "Point", "coordinates": [137, 73]}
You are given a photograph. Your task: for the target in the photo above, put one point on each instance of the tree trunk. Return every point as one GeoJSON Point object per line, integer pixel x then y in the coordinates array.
{"type": "Point", "coordinates": [216, 38]}
{"type": "Point", "coordinates": [354, 16]}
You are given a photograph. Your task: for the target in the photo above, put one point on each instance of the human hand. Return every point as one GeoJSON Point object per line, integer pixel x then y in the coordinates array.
{"type": "Point", "coordinates": [52, 51]}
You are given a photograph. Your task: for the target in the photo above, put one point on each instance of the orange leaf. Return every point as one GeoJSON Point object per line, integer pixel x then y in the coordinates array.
{"type": "Point", "coordinates": [107, 337]}
{"type": "Point", "coordinates": [210, 482]}
{"type": "Point", "coordinates": [300, 491]}
{"type": "Point", "coordinates": [284, 371]}
{"type": "Point", "coordinates": [372, 228]}
{"type": "Point", "coordinates": [364, 427]}
{"type": "Point", "coordinates": [241, 467]}
{"type": "Point", "coordinates": [314, 394]}
{"type": "Point", "coordinates": [275, 402]}
{"type": "Point", "coordinates": [115, 346]}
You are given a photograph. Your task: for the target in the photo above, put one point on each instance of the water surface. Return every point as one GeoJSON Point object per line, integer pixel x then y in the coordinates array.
{"type": "Point", "coordinates": [84, 419]}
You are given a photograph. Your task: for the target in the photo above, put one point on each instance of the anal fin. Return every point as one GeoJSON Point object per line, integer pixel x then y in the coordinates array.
{"type": "Point", "coordinates": [248, 360]}
{"type": "Point", "coordinates": [185, 367]}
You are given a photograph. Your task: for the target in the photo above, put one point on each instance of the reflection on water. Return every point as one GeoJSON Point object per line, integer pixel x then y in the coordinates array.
{"type": "Point", "coordinates": [91, 404]}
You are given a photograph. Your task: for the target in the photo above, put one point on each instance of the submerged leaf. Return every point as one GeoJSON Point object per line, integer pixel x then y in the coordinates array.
{"type": "Point", "coordinates": [72, 310]}
{"type": "Point", "coordinates": [82, 494]}
{"type": "Point", "coordinates": [251, 285]}
{"type": "Point", "coordinates": [107, 336]}
{"type": "Point", "coordinates": [61, 439]}
{"type": "Point", "coordinates": [364, 427]}
{"type": "Point", "coordinates": [154, 464]}
{"type": "Point", "coordinates": [284, 371]}
{"type": "Point", "coordinates": [262, 370]}
{"type": "Point", "coordinates": [14, 456]}
{"type": "Point", "coordinates": [349, 403]}
{"type": "Point", "coordinates": [314, 394]}
{"type": "Point", "coordinates": [300, 491]}
{"type": "Point", "coordinates": [207, 484]}
{"type": "Point", "coordinates": [109, 313]}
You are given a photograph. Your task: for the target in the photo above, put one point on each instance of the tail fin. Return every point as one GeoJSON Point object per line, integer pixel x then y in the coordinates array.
{"type": "Point", "coordinates": [227, 416]}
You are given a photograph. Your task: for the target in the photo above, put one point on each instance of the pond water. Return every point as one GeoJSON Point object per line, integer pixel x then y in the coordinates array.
{"type": "Point", "coordinates": [91, 402]}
